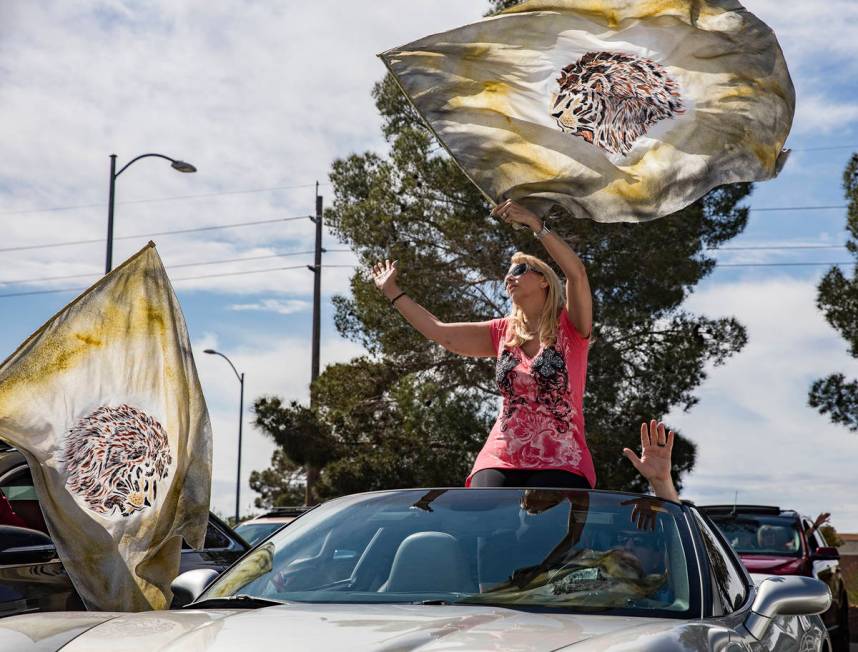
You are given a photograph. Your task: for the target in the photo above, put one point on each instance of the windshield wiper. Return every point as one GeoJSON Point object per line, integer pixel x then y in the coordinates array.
{"type": "Point", "coordinates": [431, 602]}
{"type": "Point", "coordinates": [240, 601]}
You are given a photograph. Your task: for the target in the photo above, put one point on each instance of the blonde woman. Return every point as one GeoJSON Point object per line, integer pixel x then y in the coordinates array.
{"type": "Point", "coordinates": [541, 349]}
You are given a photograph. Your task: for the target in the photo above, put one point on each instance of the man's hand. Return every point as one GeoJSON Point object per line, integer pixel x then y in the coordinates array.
{"type": "Point", "coordinates": [655, 460]}
{"type": "Point", "coordinates": [645, 511]}
{"type": "Point", "coordinates": [821, 520]}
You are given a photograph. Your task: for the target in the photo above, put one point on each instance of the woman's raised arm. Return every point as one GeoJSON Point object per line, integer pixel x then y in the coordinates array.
{"type": "Point", "coordinates": [468, 338]}
{"type": "Point", "coordinates": [579, 298]}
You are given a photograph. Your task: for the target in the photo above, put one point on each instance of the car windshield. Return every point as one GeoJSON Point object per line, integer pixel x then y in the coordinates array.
{"type": "Point", "coordinates": [576, 550]}
{"type": "Point", "coordinates": [253, 533]}
{"type": "Point", "coordinates": [760, 534]}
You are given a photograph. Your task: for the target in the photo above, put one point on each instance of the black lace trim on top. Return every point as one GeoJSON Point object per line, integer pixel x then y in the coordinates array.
{"type": "Point", "coordinates": [549, 371]}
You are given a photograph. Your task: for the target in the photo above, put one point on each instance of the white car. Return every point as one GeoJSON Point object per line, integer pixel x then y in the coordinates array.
{"type": "Point", "coordinates": [468, 569]}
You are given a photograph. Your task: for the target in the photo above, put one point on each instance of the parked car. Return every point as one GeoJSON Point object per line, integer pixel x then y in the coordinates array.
{"type": "Point", "coordinates": [32, 577]}
{"type": "Point", "coordinates": [470, 569]}
{"type": "Point", "coordinates": [775, 541]}
{"type": "Point", "coordinates": [261, 527]}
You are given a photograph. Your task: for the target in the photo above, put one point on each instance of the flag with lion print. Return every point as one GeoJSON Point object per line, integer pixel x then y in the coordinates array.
{"type": "Point", "coordinates": [615, 110]}
{"type": "Point", "coordinates": [105, 404]}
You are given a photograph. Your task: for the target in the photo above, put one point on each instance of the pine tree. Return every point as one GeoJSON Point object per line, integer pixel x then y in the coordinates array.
{"type": "Point", "coordinates": [837, 298]}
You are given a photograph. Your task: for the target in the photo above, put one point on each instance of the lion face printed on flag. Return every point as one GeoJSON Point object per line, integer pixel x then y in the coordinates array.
{"type": "Point", "coordinates": [114, 459]}
{"type": "Point", "coordinates": [611, 99]}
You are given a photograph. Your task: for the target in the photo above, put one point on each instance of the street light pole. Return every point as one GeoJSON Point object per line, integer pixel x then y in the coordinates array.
{"type": "Point", "coordinates": [176, 164]}
{"type": "Point", "coordinates": [240, 377]}
{"type": "Point", "coordinates": [109, 263]}
{"type": "Point", "coordinates": [238, 465]}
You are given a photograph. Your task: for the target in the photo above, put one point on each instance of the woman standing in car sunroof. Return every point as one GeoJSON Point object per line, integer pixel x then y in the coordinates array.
{"type": "Point", "coordinates": [541, 348]}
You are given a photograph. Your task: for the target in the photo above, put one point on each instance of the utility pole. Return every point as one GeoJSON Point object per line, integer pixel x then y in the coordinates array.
{"type": "Point", "coordinates": [317, 287]}
{"type": "Point", "coordinates": [312, 472]}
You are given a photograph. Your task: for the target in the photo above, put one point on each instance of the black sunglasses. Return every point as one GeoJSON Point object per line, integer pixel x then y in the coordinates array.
{"type": "Point", "coordinates": [521, 268]}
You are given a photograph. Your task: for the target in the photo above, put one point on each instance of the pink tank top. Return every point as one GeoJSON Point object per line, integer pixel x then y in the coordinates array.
{"type": "Point", "coordinates": [541, 422]}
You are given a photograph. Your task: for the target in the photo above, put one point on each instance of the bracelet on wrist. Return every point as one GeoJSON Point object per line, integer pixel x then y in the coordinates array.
{"type": "Point", "coordinates": [396, 298]}
{"type": "Point", "coordinates": [542, 232]}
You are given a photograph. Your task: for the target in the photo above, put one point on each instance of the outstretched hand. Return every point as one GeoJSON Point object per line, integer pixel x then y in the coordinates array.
{"type": "Point", "coordinates": [385, 275]}
{"type": "Point", "coordinates": [821, 520]}
{"type": "Point", "coordinates": [655, 461]}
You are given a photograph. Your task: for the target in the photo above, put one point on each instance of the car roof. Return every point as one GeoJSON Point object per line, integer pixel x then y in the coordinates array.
{"type": "Point", "coordinates": [279, 515]}
{"type": "Point", "coordinates": [767, 510]}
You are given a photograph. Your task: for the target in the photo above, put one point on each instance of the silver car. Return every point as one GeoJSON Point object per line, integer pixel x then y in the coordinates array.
{"type": "Point", "coordinates": [468, 569]}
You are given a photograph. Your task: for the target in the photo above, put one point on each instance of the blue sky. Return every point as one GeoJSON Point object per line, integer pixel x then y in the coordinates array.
{"type": "Point", "coordinates": [262, 95]}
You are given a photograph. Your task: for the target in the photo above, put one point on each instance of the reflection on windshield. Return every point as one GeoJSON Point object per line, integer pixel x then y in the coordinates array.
{"type": "Point", "coordinates": [258, 563]}
{"type": "Point", "coordinates": [550, 548]}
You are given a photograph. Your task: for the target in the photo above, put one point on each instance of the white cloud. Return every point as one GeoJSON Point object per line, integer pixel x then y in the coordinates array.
{"type": "Point", "coordinates": [809, 34]}
{"type": "Point", "coordinates": [817, 114]}
{"type": "Point", "coordinates": [274, 305]}
{"type": "Point", "coordinates": [754, 430]}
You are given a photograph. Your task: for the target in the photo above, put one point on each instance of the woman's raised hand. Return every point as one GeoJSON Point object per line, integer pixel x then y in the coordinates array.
{"type": "Point", "coordinates": [514, 213]}
{"type": "Point", "coordinates": [384, 274]}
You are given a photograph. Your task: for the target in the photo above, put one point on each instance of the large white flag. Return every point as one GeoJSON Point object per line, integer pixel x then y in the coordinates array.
{"type": "Point", "coordinates": [617, 110]}
{"type": "Point", "coordinates": [105, 404]}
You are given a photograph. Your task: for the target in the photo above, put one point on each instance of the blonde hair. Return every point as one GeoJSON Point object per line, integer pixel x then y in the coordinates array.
{"type": "Point", "coordinates": [517, 333]}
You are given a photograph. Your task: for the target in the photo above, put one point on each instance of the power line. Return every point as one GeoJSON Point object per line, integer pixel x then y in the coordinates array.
{"type": "Point", "coordinates": [774, 247]}
{"type": "Point", "coordinates": [215, 227]}
{"type": "Point", "coordinates": [174, 280]}
{"type": "Point", "coordinates": [159, 199]}
{"type": "Point", "coordinates": [851, 262]}
{"type": "Point", "coordinates": [291, 267]}
{"type": "Point", "coordinates": [797, 208]}
{"type": "Point", "coordinates": [21, 281]}
{"type": "Point", "coordinates": [819, 149]}
{"type": "Point", "coordinates": [149, 235]}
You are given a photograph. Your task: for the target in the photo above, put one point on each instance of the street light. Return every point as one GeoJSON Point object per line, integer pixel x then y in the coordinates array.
{"type": "Point", "coordinates": [240, 377]}
{"type": "Point", "coordinates": [181, 166]}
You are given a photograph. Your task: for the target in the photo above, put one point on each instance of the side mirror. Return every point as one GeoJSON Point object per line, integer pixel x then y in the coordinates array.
{"type": "Point", "coordinates": [188, 586]}
{"type": "Point", "coordinates": [21, 545]}
{"type": "Point", "coordinates": [826, 553]}
{"type": "Point", "coordinates": [786, 596]}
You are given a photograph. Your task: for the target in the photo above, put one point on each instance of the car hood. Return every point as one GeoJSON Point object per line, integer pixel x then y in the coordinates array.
{"type": "Point", "coordinates": [379, 628]}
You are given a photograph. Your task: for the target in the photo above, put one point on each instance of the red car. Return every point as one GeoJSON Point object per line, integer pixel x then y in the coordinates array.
{"type": "Point", "coordinates": [775, 541]}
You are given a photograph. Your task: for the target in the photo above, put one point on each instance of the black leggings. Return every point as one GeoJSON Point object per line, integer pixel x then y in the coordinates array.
{"type": "Point", "coordinates": [550, 478]}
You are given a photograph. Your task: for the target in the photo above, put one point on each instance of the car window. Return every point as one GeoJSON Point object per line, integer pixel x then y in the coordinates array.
{"type": "Point", "coordinates": [571, 550]}
{"type": "Point", "coordinates": [215, 539]}
{"type": "Point", "coordinates": [253, 533]}
{"type": "Point", "coordinates": [760, 534]}
{"type": "Point", "coordinates": [21, 494]}
{"type": "Point", "coordinates": [728, 585]}
{"type": "Point", "coordinates": [813, 540]}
